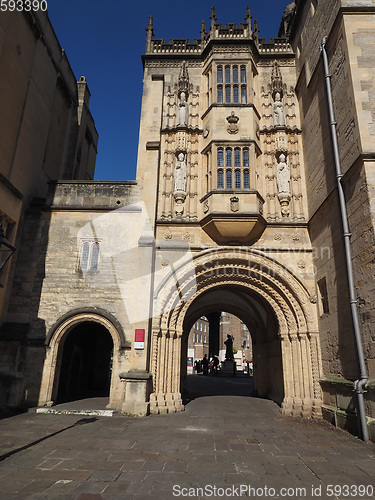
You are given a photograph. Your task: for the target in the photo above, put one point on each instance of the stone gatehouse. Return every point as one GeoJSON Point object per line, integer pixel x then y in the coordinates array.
{"type": "Point", "coordinates": [234, 209]}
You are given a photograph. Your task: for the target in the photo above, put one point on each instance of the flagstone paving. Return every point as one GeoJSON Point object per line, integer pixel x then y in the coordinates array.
{"type": "Point", "coordinates": [228, 444]}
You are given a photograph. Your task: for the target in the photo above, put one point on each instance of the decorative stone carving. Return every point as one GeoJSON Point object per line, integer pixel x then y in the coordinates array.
{"type": "Point", "coordinates": [180, 173]}
{"type": "Point", "coordinates": [283, 184]}
{"type": "Point", "coordinates": [232, 119]}
{"type": "Point", "coordinates": [168, 235]}
{"type": "Point", "coordinates": [182, 114]}
{"type": "Point", "coordinates": [283, 175]}
{"type": "Point", "coordinates": [278, 111]}
{"type": "Point", "coordinates": [261, 205]}
{"type": "Point", "coordinates": [276, 80]}
{"type": "Point", "coordinates": [181, 141]}
{"type": "Point", "coordinates": [183, 79]}
{"type": "Point", "coordinates": [234, 204]}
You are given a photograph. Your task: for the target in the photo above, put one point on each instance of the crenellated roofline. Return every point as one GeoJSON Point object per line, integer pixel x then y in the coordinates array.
{"type": "Point", "coordinates": [218, 33]}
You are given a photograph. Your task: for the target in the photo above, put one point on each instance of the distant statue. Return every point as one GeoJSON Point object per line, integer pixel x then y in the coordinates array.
{"type": "Point", "coordinates": [182, 114]}
{"type": "Point", "coordinates": [180, 174]}
{"type": "Point", "coordinates": [229, 350]}
{"type": "Point", "coordinates": [278, 111]}
{"type": "Point", "coordinates": [283, 175]}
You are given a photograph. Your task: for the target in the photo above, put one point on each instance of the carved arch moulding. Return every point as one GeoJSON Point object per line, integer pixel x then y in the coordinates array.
{"type": "Point", "coordinates": [260, 276]}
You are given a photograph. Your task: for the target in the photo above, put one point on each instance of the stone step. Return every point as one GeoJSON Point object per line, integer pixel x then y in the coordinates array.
{"type": "Point", "coordinates": [67, 411]}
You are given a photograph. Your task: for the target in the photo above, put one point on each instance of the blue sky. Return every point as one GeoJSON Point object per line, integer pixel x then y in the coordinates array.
{"type": "Point", "coordinates": [104, 42]}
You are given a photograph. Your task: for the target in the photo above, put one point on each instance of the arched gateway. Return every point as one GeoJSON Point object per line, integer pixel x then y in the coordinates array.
{"type": "Point", "coordinates": [269, 299]}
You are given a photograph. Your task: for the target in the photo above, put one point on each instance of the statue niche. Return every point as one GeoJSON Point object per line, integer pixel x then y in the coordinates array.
{"type": "Point", "coordinates": [283, 183]}
{"type": "Point", "coordinates": [278, 111]}
{"type": "Point", "coordinates": [182, 113]}
{"type": "Point", "coordinates": [180, 175]}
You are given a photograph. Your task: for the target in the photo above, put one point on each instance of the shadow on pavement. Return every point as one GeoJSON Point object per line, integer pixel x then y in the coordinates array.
{"type": "Point", "coordinates": [198, 386]}
{"type": "Point", "coordinates": [82, 421]}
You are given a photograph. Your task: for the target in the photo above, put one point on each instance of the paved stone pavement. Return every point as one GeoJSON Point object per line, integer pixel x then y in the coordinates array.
{"type": "Point", "coordinates": [228, 441]}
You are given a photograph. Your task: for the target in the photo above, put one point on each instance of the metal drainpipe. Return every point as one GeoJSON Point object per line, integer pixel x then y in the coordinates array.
{"type": "Point", "coordinates": [363, 378]}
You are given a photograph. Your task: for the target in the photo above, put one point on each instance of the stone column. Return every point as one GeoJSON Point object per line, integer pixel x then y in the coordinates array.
{"type": "Point", "coordinates": [214, 336]}
{"type": "Point", "coordinates": [286, 353]}
{"type": "Point", "coordinates": [306, 376]}
{"type": "Point", "coordinates": [316, 369]}
{"type": "Point", "coordinates": [297, 374]}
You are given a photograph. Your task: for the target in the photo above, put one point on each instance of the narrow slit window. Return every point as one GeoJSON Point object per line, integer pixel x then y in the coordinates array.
{"type": "Point", "coordinates": [237, 157]}
{"type": "Point", "coordinates": [220, 94]}
{"type": "Point", "coordinates": [243, 74]}
{"type": "Point", "coordinates": [236, 95]}
{"type": "Point", "coordinates": [229, 179]}
{"type": "Point", "coordinates": [235, 74]}
{"type": "Point", "coordinates": [227, 94]}
{"type": "Point", "coordinates": [237, 179]}
{"type": "Point", "coordinates": [227, 74]}
{"type": "Point", "coordinates": [322, 285]}
{"type": "Point", "coordinates": [245, 157]}
{"type": "Point", "coordinates": [220, 157]}
{"type": "Point", "coordinates": [246, 179]}
{"type": "Point", "coordinates": [228, 154]}
{"type": "Point", "coordinates": [243, 94]}
{"type": "Point", "coordinates": [94, 257]}
{"type": "Point", "coordinates": [220, 179]}
{"type": "Point", "coordinates": [85, 256]}
{"type": "Point", "coordinates": [220, 74]}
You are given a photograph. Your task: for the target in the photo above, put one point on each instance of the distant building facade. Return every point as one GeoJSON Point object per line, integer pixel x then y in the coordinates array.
{"type": "Point", "coordinates": [234, 209]}
{"type": "Point", "coordinates": [199, 338]}
{"type": "Point", "coordinates": [237, 329]}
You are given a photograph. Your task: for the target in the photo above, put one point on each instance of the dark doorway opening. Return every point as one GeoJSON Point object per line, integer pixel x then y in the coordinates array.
{"type": "Point", "coordinates": [86, 363]}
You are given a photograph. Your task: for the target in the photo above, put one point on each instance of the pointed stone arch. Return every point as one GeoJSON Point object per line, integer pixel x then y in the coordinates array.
{"type": "Point", "coordinates": [265, 280]}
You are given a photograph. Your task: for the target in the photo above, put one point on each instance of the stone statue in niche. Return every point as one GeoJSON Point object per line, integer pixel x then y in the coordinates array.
{"type": "Point", "coordinates": [182, 114]}
{"type": "Point", "coordinates": [278, 111]}
{"type": "Point", "coordinates": [283, 175]}
{"type": "Point", "coordinates": [283, 184]}
{"type": "Point", "coordinates": [180, 173]}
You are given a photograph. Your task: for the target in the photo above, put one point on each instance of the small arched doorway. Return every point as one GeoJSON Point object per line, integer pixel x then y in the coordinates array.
{"type": "Point", "coordinates": [86, 363]}
{"type": "Point", "coordinates": [83, 349]}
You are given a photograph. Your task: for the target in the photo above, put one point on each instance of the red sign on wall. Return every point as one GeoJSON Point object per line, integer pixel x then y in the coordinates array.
{"type": "Point", "coordinates": [139, 340]}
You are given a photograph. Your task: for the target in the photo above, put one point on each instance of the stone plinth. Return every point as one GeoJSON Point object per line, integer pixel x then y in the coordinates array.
{"type": "Point", "coordinates": [228, 368]}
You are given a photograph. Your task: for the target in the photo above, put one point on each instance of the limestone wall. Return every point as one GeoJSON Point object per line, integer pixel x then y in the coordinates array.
{"type": "Point", "coordinates": [50, 282]}
{"type": "Point", "coordinates": [349, 49]}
